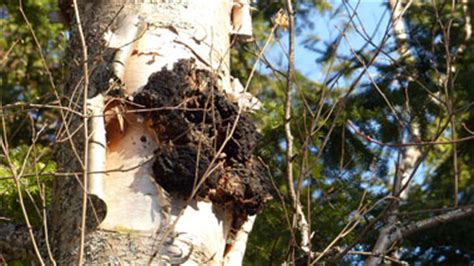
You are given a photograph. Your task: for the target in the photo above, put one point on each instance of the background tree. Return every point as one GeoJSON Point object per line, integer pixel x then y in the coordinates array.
{"type": "Point", "coordinates": [374, 125]}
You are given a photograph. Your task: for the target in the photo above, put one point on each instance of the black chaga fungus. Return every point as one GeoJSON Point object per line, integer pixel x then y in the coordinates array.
{"type": "Point", "coordinates": [244, 139]}
{"type": "Point", "coordinates": [166, 88]}
{"type": "Point", "coordinates": [246, 185]}
{"type": "Point", "coordinates": [175, 167]}
{"type": "Point", "coordinates": [193, 120]}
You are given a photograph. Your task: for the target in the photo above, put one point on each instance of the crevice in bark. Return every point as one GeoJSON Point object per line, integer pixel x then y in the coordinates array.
{"type": "Point", "coordinates": [191, 119]}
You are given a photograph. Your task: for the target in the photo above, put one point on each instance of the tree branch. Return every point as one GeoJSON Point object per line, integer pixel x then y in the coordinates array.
{"type": "Point", "coordinates": [394, 233]}
{"type": "Point", "coordinates": [300, 218]}
{"type": "Point", "coordinates": [15, 242]}
{"type": "Point", "coordinates": [451, 216]}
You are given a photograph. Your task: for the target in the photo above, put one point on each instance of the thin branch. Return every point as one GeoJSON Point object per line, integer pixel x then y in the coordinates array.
{"type": "Point", "coordinates": [407, 144]}
{"type": "Point", "coordinates": [366, 253]}
{"type": "Point", "coordinates": [16, 179]}
{"type": "Point", "coordinates": [288, 109]}
{"type": "Point", "coordinates": [302, 224]}
{"type": "Point", "coordinates": [86, 130]}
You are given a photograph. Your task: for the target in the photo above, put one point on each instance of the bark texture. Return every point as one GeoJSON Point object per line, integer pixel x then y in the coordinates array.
{"type": "Point", "coordinates": [15, 242]}
{"type": "Point", "coordinates": [175, 187]}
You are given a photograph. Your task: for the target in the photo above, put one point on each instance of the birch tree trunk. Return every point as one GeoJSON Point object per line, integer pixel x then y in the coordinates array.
{"type": "Point", "coordinates": [141, 208]}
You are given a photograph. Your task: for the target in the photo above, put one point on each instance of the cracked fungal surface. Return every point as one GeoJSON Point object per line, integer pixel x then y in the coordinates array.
{"type": "Point", "coordinates": [193, 121]}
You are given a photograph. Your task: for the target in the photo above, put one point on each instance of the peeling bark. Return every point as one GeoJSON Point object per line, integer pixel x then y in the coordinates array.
{"type": "Point", "coordinates": [97, 146]}
{"type": "Point", "coordinates": [241, 20]}
{"type": "Point", "coordinates": [236, 252]}
{"type": "Point", "coordinates": [142, 154]}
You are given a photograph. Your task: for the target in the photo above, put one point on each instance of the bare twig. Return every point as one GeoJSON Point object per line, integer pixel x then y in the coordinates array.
{"type": "Point", "coordinates": [4, 60]}
{"type": "Point", "coordinates": [300, 218]}
{"type": "Point", "coordinates": [16, 179]}
{"type": "Point", "coordinates": [406, 144]}
{"type": "Point", "coordinates": [86, 130]}
{"type": "Point", "coordinates": [383, 257]}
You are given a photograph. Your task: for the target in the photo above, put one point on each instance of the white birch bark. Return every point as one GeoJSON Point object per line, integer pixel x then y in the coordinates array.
{"type": "Point", "coordinates": [398, 27]}
{"type": "Point", "coordinates": [143, 224]}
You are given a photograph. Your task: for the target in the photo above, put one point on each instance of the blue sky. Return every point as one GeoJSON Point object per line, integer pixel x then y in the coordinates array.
{"type": "Point", "coordinates": [371, 13]}
{"type": "Point", "coordinates": [326, 28]}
